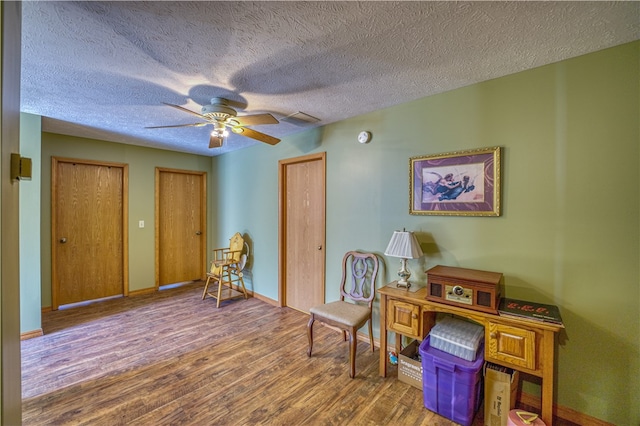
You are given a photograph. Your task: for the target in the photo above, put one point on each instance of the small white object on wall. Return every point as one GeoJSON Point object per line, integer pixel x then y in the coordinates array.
{"type": "Point", "coordinates": [364, 137]}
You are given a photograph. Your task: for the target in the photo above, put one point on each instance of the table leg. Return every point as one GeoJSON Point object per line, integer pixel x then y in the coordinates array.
{"type": "Point", "coordinates": [383, 335]}
{"type": "Point", "coordinates": [547, 377]}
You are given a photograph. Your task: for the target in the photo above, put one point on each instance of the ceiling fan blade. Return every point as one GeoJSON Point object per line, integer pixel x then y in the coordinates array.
{"type": "Point", "coordinates": [215, 141]}
{"type": "Point", "coordinates": [251, 120]}
{"type": "Point", "coordinates": [178, 125]}
{"type": "Point", "coordinates": [254, 134]}
{"type": "Point", "coordinates": [186, 110]}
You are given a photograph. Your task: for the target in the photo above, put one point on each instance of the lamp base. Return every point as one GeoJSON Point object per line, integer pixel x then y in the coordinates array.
{"type": "Point", "coordinates": [403, 284]}
{"type": "Point", "coordinates": [404, 275]}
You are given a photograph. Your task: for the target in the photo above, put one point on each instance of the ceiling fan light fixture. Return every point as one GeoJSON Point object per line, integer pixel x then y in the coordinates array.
{"type": "Point", "coordinates": [219, 130]}
{"type": "Point", "coordinates": [219, 133]}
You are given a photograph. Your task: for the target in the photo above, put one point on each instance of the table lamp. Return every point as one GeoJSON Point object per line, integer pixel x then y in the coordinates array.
{"type": "Point", "coordinates": [404, 245]}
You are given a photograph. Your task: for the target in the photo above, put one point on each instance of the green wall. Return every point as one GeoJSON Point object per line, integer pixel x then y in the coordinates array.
{"type": "Point", "coordinates": [30, 240]}
{"type": "Point", "coordinates": [569, 233]}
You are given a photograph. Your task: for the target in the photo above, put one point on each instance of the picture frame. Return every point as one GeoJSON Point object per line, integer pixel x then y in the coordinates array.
{"type": "Point", "coordinates": [460, 183]}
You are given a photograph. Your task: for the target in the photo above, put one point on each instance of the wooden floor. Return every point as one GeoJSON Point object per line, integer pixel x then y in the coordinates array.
{"type": "Point", "coordinates": [171, 358]}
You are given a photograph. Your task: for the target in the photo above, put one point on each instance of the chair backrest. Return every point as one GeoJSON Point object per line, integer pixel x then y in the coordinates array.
{"type": "Point", "coordinates": [359, 272]}
{"type": "Point", "coordinates": [236, 244]}
{"type": "Point", "coordinates": [232, 254]}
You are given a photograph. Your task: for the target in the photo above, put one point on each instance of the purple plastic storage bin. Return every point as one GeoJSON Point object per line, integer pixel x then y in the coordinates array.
{"type": "Point", "coordinates": [451, 385]}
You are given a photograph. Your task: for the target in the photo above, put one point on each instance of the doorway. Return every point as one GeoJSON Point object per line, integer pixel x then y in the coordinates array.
{"type": "Point", "coordinates": [89, 230]}
{"type": "Point", "coordinates": [181, 226]}
{"type": "Point", "coordinates": [302, 231]}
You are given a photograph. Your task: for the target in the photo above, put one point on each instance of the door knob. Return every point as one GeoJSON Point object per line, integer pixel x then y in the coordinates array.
{"type": "Point", "coordinates": [63, 240]}
{"type": "Point", "coordinates": [198, 233]}
{"type": "Point", "coordinates": [319, 247]}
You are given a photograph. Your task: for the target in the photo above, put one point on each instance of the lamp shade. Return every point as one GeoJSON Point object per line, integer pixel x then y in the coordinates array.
{"type": "Point", "coordinates": [404, 244]}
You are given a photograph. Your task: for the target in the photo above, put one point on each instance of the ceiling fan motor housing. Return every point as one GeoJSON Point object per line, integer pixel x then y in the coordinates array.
{"type": "Point", "coordinates": [218, 109]}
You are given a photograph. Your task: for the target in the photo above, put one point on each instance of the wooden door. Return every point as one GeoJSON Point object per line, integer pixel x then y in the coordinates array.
{"type": "Point", "coordinates": [302, 232]}
{"type": "Point", "coordinates": [89, 230]}
{"type": "Point", "coordinates": [180, 226]}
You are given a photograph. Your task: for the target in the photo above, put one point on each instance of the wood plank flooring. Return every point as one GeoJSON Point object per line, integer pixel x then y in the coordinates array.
{"type": "Point", "coordinates": [170, 358]}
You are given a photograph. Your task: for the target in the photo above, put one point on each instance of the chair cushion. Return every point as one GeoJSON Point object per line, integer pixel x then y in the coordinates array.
{"type": "Point", "coordinates": [346, 313]}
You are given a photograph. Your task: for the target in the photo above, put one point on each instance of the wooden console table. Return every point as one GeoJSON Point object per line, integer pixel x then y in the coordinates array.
{"type": "Point", "coordinates": [521, 344]}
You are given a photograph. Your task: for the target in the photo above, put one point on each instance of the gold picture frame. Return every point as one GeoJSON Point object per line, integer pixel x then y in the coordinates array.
{"type": "Point", "coordinates": [460, 183]}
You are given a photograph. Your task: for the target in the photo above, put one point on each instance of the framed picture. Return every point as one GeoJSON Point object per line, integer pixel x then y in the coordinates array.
{"type": "Point", "coordinates": [462, 183]}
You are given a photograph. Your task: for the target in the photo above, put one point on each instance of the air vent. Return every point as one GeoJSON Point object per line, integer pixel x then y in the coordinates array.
{"type": "Point", "coordinates": [300, 118]}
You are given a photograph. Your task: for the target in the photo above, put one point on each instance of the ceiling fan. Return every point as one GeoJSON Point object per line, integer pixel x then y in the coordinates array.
{"type": "Point", "coordinates": [220, 115]}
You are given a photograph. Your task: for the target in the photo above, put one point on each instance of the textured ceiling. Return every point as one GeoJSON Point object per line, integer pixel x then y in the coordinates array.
{"type": "Point", "coordinates": [102, 69]}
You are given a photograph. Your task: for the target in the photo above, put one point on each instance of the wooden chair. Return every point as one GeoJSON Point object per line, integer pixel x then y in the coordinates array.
{"type": "Point", "coordinates": [226, 271]}
{"type": "Point", "coordinates": [362, 269]}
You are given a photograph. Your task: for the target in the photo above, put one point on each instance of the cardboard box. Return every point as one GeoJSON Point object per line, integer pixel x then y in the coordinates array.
{"type": "Point", "coordinates": [500, 392]}
{"type": "Point", "coordinates": [409, 368]}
